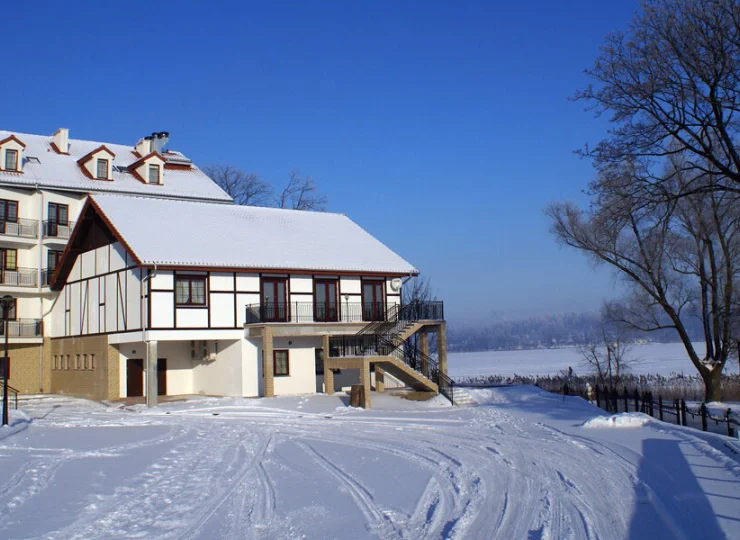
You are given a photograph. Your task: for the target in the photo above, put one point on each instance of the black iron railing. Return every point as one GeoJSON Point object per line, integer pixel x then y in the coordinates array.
{"type": "Point", "coordinates": [24, 228]}
{"type": "Point", "coordinates": [306, 312]}
{"type": "Point", "coordinates": [12, 395]}
{"type": "Point", "coordinates": [58, 230]}
{"type": "Point", "coordinates": [23, 328]}
{"type": "Point", "coordinates": [20, 277]}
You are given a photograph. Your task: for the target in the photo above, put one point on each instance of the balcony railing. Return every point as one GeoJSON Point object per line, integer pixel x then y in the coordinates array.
{"type": "Point", "coordinates": [22, 228]}
{"type": "Point", "coordinates": [23, 328]}
{"type": "Point", "coordinates": [21, 277]}
{"type": "Point", "coordinates": [52, 229]}
{"type": "Point", "coordinates": [305, 312]}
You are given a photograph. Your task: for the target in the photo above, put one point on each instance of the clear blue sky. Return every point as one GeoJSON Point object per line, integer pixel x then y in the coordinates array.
{"type": "Point", "coordinates": [442, 129]}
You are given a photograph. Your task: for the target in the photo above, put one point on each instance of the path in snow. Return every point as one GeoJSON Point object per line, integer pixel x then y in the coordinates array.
{"type": "Point", "coordinates": [309, 467]}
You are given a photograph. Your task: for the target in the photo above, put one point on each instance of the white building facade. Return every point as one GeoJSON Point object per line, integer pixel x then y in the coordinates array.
{"type": "Point", "coordinates": [228, 301]}
{"type": "Point", "coordinates": [44, 181]}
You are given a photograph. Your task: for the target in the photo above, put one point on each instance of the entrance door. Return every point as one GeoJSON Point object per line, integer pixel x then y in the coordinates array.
{"type": "Point", "coordinates": [274, 300]}
{"type": "Point", "coordinates": [135, 377]}
{"type": "Point", "coordinates": [325, 301]}
{"type": "Point", "coordinates": [162, 377]}
{"type": "Point", "coordinates": [372, 300]}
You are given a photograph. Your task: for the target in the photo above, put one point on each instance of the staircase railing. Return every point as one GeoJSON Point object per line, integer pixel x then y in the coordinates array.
{"type": "Point", "coordinates": [12, 395]}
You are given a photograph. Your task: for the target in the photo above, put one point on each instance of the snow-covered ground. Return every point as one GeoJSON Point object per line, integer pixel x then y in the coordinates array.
{"type": "Point", "coordinates": [522, 465]}
{"type": "Point", "coordinates": [650, 359]}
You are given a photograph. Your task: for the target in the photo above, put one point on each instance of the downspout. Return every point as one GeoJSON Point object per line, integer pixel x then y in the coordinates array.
{"type": "Point", "coordinates": [144, 329]}
{"type": "Point", "coordinates": [40, 244]}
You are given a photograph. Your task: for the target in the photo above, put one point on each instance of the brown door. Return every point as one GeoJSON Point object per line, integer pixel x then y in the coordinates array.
{"type": "Point", "coordinates": [162, 376]}
{"type": "Point", "coordinates": [135, 377]}
{"type": "Point", "coordinates": [274, 300]}
{"type": "Point", "coordinates": [325, 301]}
{"type": "Point", "coordinates": [373, 305]}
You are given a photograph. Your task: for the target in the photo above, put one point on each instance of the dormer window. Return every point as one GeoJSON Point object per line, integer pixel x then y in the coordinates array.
{"type": "Point", "coordinates": [11, 160]}
{"type": "Point", "coordinates": [102, 169]}
{"type": "Point", "coordinates": [154, 174]}
{"type": "Point", "coordinates": [11, 154]}
{"type": "Point", "coordinates": [97, 164]}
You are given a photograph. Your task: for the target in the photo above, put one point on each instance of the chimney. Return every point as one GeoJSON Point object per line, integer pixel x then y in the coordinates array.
{"type": "Point", "coordinates": [61, 140]}
{"type": "Point", "coordinates": [144, 146]}
{"type": "Point", "coordinates": [159, 140]}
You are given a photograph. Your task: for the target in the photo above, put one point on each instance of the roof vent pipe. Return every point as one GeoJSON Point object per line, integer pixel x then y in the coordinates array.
{"type": "Point", "coordinates": [159, 140]}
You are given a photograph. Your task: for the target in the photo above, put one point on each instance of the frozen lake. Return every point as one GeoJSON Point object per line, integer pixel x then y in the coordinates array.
{"type": "Point", "coordinates": [653, 358]}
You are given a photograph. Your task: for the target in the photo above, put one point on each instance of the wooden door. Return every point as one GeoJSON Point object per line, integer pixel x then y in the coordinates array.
{"type": "Point", "coordinates": [373, 305]}
{"type": "Point", "coordinates": [325, 301]}
{"type": "Point", "coordinates": [162, 377]}
{"type": "Point", "coordinates": [135, 377]}
{"type": "Point", "coordinates": [275, 300]}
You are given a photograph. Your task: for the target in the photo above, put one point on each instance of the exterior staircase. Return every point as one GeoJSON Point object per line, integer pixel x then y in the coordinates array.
{"type": "Point", "coordinates": [387, 342]}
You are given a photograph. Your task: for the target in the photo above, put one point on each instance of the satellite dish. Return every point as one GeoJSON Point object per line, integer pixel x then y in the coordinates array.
{"type": "Point", "coordinates": [396, 284]}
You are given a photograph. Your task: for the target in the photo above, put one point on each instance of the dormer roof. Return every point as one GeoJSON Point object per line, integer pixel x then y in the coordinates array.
{"type": "Point", "coordinates": [102, 148]}
{"type": "Point", "coordinates": [63, 171]}
{"type": "Point", "coordinates": [12, 137]}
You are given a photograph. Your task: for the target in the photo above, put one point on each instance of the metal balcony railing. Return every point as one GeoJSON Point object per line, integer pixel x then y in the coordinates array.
{"type": "Point", "coordinates": [20, 277]}
{"type": "Point", "coordinates": [23, 328]}
{"type": "Point", "coordinates": [52, 229]}
{"type": "Point", "coordinates": [306, 312]}
{"type": "Point", "coordinates": [22, 228]}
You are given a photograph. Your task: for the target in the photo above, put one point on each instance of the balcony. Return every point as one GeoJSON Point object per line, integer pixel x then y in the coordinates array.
{"type": "Point", "coordinates": [62, 231]}
{"type": "Point", "coordinates": [339, 312]}
{"type": "Point", "coordinates": [23, 328]}
{"type": "Point", "coordinates": [21, 228]}
{"type": "Point", "coordinates": [21, 277]}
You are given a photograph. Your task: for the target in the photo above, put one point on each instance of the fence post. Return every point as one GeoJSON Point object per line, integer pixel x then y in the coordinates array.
{"type": "Point", "coordinates": [660, 407]}
{"type": "Point", "coordinates": [683, 411]}
{"type": "Point", "coordinates": [703, 411]}
{"type": "Point", "coordinates": [729, 423]}
{"type": "Point", "coordinates": [678, 411]}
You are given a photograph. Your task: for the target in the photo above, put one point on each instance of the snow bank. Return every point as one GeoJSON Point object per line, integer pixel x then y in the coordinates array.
{"type": "Point", "coordinates": [622, 420]}
{"type": "Point", "coordinates": [18, 421]}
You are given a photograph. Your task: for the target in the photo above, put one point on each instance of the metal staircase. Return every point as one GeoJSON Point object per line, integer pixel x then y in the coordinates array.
{"type": "Point", "coordinates": [388, 338]}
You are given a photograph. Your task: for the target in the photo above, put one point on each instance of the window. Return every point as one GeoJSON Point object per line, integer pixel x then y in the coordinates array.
{"type": "Point", "coordinates": [11, 160]}
{"type": "Point", "coordinates": [54, 362]}
{"type": "Point", "coordinates": [92, 361]}
{"type": "Point", "coordinates": [9, 259]}
{"type": "Point", "coordinates": [319, 357]}
{"type": "Point", "coordinates": [190, 291]}
{"type": "Point", "coordinates": [281, 364]}
{"type": "Point", "coordinates": [68, 364]}
{"type": "Point", "coordinates": [102, 171]}
{"type": "Point", "coordinates": [84, 361]}
{"type": "Point", "coordinates": [8, 211]}
{"type": "Point", "coordinates": [154, 174]}
{"type": "Point", "coordinates": [58, 216]}
{"type": "Point", "coordinates": [77, 361]}
{"type": "Point", "coordinates": [52, 261]}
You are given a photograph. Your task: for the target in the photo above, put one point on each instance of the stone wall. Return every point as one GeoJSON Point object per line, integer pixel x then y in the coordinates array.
{"type": "Point", "coordinates": [98, 378]}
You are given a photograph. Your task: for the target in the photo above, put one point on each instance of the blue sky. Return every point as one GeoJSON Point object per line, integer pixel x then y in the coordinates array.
{"type": "Point", "coordinates": [442, 129]}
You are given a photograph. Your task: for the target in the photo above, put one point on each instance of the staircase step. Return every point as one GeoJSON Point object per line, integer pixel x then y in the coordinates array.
{"type": "Point", "coordinates": [463, 398]}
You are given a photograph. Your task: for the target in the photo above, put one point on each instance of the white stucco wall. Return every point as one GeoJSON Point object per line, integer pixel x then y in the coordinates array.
{"type": "Point", "coordinates": [301, 355]}
{"type": "Point", "coordinates": [223, 376]}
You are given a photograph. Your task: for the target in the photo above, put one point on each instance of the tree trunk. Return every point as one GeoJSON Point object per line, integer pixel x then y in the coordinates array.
{"type": "Point", "coordinates": [712, 385]}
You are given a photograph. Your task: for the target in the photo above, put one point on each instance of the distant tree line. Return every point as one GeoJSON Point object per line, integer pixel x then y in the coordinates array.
{"type": "Point", "coordinates": [549, 331]}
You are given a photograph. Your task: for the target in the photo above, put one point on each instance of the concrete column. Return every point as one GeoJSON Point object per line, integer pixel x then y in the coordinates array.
{"type": "Point", "coordinates": [379, 379]}
{"type": "Point", "coordinates": [442, 347]}
{"type": "Point", "coordinates": [267, 368]}
{"type": "Point", "coordinates": [151, 374]}
{"type": "Point", "coordinates": [328, 373]}
{"type": "Point", "coordinates": [424, 348]}
{"type": "Point", "coordinates": [365, 381]}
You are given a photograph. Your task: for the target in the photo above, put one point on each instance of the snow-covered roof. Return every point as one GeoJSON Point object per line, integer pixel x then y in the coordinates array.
{"type": "Point", "coordinates": [61, 171]}
{"type": "Point", "coordinates": [195, 234]}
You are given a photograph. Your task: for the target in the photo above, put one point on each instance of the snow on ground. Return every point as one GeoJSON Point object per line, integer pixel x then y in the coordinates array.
{"type": "Point", "coordinates": [520, 465]}
{"type": "Point", "coordinates": [650, 359]}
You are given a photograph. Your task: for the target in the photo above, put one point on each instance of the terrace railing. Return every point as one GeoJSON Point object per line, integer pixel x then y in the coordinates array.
{"type": "Point", "coordinates": [20, 277]}
{"type": "Point", "coordinates": [26, 328]}
{"type": "Point", "coordinates": [306, 312]}
{"type": "Point", "coordinates": [22, 228]}
{"type": "Point", "coordinates": [52, 229]}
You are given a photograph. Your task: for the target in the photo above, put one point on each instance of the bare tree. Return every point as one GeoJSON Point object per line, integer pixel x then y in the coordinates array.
{"type": "Point", "coordinates": [607, 355]}
{"type": "Point", "coordinates": [245, 188]}
{"type": "Point", "coordinates": [679, 257]}
{"type": "Point", "coordinates": [671, 85]}
{"type": "Point", "coordinates": [301, 193]}
{"type": "Point", "coordinates": [419, 290]}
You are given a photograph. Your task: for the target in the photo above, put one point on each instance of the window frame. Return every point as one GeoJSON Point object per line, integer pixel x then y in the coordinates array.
{"type": "Point", "coordinates": [287, 363]}
{"type": "Point", "coordinates": [98, 163]}
{"type": "Point", "coordinates": [10, 152]}
{"type": "Point", "coordinates": [149, 173]}
{"type": "Point", "coordinates": [190, 279]}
